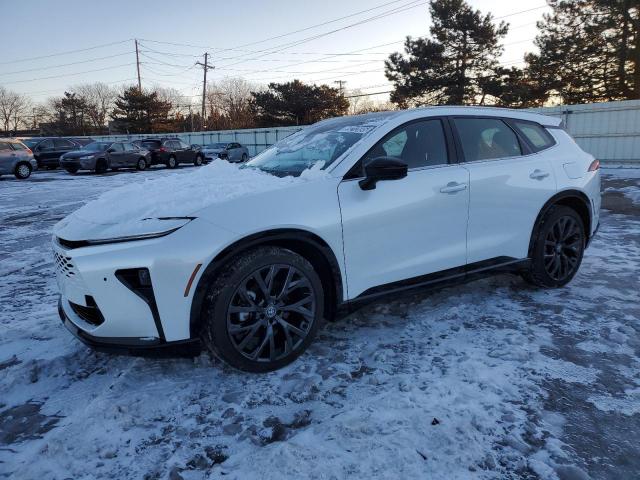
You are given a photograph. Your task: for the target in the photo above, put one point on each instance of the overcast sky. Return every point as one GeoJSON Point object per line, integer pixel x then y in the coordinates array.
{"type": "Point", "coordinates": [236, 35]}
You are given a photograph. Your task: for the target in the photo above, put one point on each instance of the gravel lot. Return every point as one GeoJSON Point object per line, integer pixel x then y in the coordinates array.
{"type": "Point", "coordinates": [492, 379]}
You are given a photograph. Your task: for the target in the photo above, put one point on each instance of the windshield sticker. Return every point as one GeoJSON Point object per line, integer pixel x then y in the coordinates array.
{"type": "Point", "coordinates": [351, 129]}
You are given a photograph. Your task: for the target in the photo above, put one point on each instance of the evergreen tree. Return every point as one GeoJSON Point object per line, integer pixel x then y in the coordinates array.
{"type": "Point", "coordinates": [142, 112]}
{"type": "Point", "coordinates": [70, 115]}
{"type": "Point", "coordinates": [589, 50]}
{"type": "Point", "coordinates": [295, 103]}
{"type": "Point", "coordinates": [455, 64]}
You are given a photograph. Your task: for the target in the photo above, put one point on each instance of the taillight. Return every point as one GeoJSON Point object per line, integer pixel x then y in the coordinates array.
{"type": "Point", "coordinates": [162, 149]}
{"type": "Point", "coordinates": [595, 165]}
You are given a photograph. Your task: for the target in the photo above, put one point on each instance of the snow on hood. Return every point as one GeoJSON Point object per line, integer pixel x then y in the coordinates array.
{"type": "Point", "coordinates": [123, 210]}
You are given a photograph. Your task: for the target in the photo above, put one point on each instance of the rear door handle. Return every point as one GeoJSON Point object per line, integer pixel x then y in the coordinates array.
{"type": "Point", "coordinates": [453, 187]}
{"type": "Point", "coordinates": [538, 174]}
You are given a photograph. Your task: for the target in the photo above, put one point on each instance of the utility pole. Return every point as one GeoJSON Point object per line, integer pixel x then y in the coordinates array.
{"type": "Point", "coordinates": [206, 67]}
{"type": "Point", "coordinates": [138, 66]}
{"type": "Point", "coordinates": [341, 84]}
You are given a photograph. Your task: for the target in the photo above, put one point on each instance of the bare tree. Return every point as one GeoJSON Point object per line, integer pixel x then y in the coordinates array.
{"type": "Point", "coordinates": [13, 109]}
{"type": "Point", "coordinates": [229, 103]}
{"type": "Point", "coordinates": [358, 103]}
{"type": "Point", "coordinates": [99, 98]}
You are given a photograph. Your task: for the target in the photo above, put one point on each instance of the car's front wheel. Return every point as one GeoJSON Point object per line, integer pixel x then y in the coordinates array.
{"type": "Point", "coordinates": [71, 170]}
{"type": "Point", "coordinates": [198, 161]}
{"type": "Point", "coordinates": [558, 247]}
{"type": "Point", "coordinates": [22, 171]}
{"type": "Point", "coordinates": [172, 162]}
{"type": "Point", "coordinates": [263, 310]}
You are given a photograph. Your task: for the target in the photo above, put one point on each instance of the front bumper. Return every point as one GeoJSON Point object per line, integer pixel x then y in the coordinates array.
{"type": "Point", "coordinates": [88, 164]}
{"type": "Point", "coordinates": [92, 277]}
{"type": "Point", "coordinates": [127, 345]}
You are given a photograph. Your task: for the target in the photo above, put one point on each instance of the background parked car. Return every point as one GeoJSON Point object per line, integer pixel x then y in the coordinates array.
{"type": "Point", "coordinates": [100, 156]}
{"type": "Point", "coordinates": [16, 159]}
{"type": "Point", "coordinates": [231, 151]}
{"type": "Point", "coordinates": [171, 152]}
{"type": "Point", "coordinates": [47, 151]}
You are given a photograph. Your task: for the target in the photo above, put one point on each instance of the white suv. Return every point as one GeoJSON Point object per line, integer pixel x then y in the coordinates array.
{"type": "Point", "coordinates": [251, 260]}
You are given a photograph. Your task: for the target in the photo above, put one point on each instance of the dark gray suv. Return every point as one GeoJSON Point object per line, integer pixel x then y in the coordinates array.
{"type": "Point", "coordinates": [101, 156]}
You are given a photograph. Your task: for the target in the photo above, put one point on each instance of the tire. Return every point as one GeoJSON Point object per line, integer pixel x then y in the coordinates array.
{"type": "Point", "coordinates": [172, 162]}
{"type": "Point", "coordinates": [198, 161]}
{"type": "Point", "coordinates": [101, 167]}
{"type": "Point", "coordinates": [244, 157]}
{"type": "Point", "coordinates": [71, 170]}
{"type": "Point", "coordinates": [250, 348]}
{"type": "Point", "coordinates": [115, 169]}
{"type": "Point", "coordinates": [141, 165]}
{"type": "Point", "coordinates": [22, 171]}
{"type": "Point", "coordinates": [558, 246]}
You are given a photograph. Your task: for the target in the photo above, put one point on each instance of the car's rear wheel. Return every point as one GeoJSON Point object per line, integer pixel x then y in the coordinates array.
{"type": "Point", "coordinates": [142, 164]}
{"type": "Point", "coordinates": [244, 157]}
{"type": "Point", "coordinates": [22, 171]}
{"type": "Point", "coordinates": [263, 310]}
{"type": "Point", "coordinates": [172, 162]}
{"type": "Point", "coordinates": [101, 166]}
{"type": "Point", "coordinates": [71, 170]}
{"type": "Point", "coordinates": [198, 161]}
{"type": "Point", "coordinates": [558, 247]}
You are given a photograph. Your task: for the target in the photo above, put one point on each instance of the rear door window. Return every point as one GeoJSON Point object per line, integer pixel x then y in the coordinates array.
{"type": "Point", "coordinates": [4, 146]}
{"type": "Point", "coordinates": [486, 139]}
{"type": "Point", "coordinates": [117, 147]}
{"type": "Point", "coordinates": [537, 135]}
{"type": "Point", "coordinates": [63, 144]}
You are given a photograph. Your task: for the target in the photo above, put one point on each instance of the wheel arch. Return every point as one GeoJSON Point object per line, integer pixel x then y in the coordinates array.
{"type": "Point", "coordinates": [574, 199]}
{"type": "Point", "coordinates": [303, 242]}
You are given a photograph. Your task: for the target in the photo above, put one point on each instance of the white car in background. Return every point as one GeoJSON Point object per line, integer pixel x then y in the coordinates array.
{"type": "Point", "coordinates": [251, 260]}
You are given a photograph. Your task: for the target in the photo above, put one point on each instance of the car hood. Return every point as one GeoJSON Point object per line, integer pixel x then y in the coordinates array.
{"type": "Point", "coordinates": [79, 153]}
{"type": "Point", "coordinates": [213, 150]}
{"type": "Point", "coordinates": [132, 208]}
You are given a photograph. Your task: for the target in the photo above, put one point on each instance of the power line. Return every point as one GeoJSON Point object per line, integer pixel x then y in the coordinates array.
{"type": "Point", "coordinates": [71, 74]}
{"type": "Point", "coordinates": [40, 69]}
{"type": "Point", "coordinates": [68, 52]}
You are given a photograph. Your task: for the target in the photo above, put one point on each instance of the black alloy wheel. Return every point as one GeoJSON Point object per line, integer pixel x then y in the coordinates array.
{"type": "Point", "coordinates": [557, 249]}
{"type": "Point", "coordinates": [271, 313]}
{"type": "Point", "coordinates": [142, 164]}
{"type": "Point", "coordinates": [264, 310]}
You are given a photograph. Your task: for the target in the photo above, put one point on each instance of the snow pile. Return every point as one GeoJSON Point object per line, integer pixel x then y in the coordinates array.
{"type": "Point", "coordinates": [178, 195]}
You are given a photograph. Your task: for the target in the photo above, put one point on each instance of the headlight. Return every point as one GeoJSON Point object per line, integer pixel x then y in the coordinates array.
{"type": "Point", "coordinates": [140, 230]}
{"type": "Point", "coordinates": [86, 157]}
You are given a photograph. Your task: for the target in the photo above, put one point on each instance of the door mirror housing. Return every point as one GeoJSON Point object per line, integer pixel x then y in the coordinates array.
{"type": "Point", "coordinates": [111, 150]}
{"type": "Point", "coordinates": [382, 168]}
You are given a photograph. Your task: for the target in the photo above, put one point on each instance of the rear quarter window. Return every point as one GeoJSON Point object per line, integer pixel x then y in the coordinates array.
{"type": "Point", "coordinates": [536, 134]}
{"type": "Point", "coordinates": [4, 146]}
{"type": "Point", "coordinates": [18, 146]}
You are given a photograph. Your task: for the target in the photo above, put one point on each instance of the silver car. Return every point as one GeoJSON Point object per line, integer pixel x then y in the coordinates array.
{"type": "Point", "coordinates": [16, 159]}
{"type": "Point", "coordinates": [231, 151]}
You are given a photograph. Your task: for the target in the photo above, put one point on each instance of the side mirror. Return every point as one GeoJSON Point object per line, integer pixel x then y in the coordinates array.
{"type": "Point", "coordinates": [111, 150]}
{"type": "Point", "coordinates": [382, 168]}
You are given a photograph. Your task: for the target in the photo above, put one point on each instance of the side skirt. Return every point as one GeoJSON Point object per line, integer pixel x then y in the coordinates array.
{"type": "Point", "coordinates": [438, 280]}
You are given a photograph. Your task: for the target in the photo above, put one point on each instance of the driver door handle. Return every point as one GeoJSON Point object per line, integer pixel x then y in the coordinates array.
{"type": "Point", "coordinates": [538, 174]}
{"type": "Point", "coordinates": [453, 187]}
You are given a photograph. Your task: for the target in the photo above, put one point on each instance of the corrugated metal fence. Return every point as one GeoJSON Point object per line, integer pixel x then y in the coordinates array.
{"type": "Point", "coordinates": [610, 131]}
{"type": "Point", "coordinates": [255, 140]}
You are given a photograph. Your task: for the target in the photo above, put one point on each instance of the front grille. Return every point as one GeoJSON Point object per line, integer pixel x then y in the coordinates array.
{"type": "Point", "coordinates": [90, 314]}
{"type": "Point", "coordinates": [64, 265]}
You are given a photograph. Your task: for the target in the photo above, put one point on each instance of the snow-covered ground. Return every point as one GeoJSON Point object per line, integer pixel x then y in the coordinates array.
{"type": "Point", "coordinates": [493, 379]}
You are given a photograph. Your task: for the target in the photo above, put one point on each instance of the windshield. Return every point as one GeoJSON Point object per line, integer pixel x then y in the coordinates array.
{"type": "Point", "coordinates": [321, 143]}
{"type": "Point", "coordinates": [97, 146]}
{"type": "Point", "coordinates": [216, 145]}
